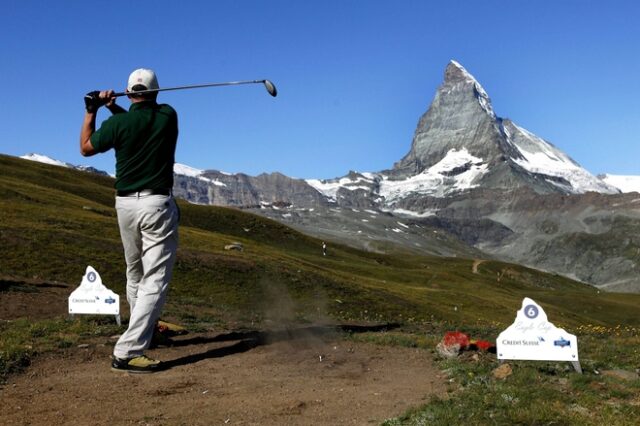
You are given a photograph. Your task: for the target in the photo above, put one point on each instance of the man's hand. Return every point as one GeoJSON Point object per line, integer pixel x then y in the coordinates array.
{"type": "Point", "coordinates": [94, 100]}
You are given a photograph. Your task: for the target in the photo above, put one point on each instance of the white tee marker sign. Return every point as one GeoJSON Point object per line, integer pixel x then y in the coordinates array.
{"type": "Point", "coordinates": [92, 297]}
{"type": "Point", "coordinates": [533, 337]}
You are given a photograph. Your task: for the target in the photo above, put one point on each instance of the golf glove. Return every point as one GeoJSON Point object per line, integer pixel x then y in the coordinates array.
{"type": "Point", "coordinates": [92, 101]}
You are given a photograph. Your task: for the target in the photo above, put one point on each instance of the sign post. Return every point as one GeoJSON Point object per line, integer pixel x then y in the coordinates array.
{"type": "Point", "coordinates": [533, 337]}
{"type": "Point", "coordinates": [92, 297]}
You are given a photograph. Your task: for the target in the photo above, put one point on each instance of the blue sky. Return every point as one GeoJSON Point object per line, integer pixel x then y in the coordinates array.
{"type": "Point", "coordinates": [353, 76]}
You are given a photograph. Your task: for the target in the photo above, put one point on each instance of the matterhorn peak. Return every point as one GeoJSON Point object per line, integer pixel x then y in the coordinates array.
{"type": "Point", "coordinates": [504, 155]}
{"type": "Point", "coordinates": [460, 116]}
{"type": "Point", "coordinates": [456, 75]}
{"type": "Point", "coordinates": [456, 72]}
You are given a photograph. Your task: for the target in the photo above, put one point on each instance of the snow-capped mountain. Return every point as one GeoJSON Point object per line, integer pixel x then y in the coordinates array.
{"type": "Point", "coordinates": [460, 144]}
{"type": "Point", "coordinates": [48, 160]}
{"type": "Point", "coordinates": [457, 171]}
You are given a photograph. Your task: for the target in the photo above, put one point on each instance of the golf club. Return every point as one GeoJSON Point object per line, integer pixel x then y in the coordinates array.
{"type": "Point", "coordinates": [267, 84]}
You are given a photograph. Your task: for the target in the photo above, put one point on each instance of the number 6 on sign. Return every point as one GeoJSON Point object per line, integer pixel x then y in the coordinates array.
{"type": "Point", "coordinates": [531, 311]}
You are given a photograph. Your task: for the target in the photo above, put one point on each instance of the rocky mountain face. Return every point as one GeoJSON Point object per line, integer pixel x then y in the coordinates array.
{"type": "Point", "coordinates": [473, 184]}
{"type": "Point", "coordinates": [240, 190]}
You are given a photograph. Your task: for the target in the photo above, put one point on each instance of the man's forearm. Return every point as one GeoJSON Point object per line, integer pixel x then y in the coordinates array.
{"type": "Point", "coordinates": [115, 108]}
{"type": "Point", "coordinates": [88, 128]}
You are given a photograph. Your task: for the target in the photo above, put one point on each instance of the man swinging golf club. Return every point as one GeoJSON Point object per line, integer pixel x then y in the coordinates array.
{"type": "Point", "coordinates": [144, 139]}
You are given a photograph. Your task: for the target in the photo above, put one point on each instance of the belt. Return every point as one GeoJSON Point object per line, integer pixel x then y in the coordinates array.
{"type": "Point", "coordinates": [143, 192]}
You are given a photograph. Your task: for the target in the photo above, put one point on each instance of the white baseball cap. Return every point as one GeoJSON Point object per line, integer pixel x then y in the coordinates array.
{"type": "Point", "coordinates": [143, 76]}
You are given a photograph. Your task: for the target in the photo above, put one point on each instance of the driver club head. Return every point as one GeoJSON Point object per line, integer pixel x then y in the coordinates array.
{"type": "Point", "coordinates": [270, 88]}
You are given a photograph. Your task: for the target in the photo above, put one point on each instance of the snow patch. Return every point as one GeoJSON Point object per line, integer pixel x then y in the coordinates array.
{"type": "Point", "coordinates": [184, 170]}
{"type": "Point", "coordinates": [541, 157]}
{"type": "Point", "coordinates": [48, 160]}
{"type": "Point", "coordinates": [623, 183]}
{"type": "Point", "coordinates": [403, 212]}
{"type": "Point", "coordinates": [440, 179]}
{"type": "Point", "coordinates": [330, 187]}
{"type": "Point", "coordinates": [44, 159]}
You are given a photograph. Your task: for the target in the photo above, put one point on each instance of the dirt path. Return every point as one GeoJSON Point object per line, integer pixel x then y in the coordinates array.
{"type": "Point", "coordinates": [476, 263]}
{"type": "Point", "coordinates": [297, 376]}
{"type": "Point", "coordinates": [226, 379]}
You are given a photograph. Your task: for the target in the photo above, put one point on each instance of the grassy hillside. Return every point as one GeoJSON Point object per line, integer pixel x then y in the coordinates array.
{"type": "Point", "coordinates": [54, 222]}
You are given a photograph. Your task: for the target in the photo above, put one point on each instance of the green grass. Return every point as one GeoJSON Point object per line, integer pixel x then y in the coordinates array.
{"type": "Point", "coordinates": [55, 222]}
{"type": "Point", "coordinates": [537, 393]}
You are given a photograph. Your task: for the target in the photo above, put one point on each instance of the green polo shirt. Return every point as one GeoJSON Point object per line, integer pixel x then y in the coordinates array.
{"type": "Point", "coordinates": [144, 139]}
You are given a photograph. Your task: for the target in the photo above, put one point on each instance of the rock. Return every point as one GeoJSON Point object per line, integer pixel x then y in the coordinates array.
{"type": "Point", "coordinates": [620, 374]}
{"type": "Point", "coordinates": [452, 343]}
{"type": "Point", "coordinates": [234, 246]}
{"type": "Point", "coordinates": [448, 351]}
{"type": "Point", "coordinates": [502, 372]}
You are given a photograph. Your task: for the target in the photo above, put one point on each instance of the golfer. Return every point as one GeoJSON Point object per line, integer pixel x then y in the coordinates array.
{"type": "Point", "coordinates": [144, 139]}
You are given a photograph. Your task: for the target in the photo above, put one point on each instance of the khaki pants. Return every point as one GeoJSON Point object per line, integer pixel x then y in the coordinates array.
{"type": "Point", "coordinates": [149, 232]}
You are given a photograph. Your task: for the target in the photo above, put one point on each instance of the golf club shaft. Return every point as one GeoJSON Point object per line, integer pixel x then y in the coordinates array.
{"type": "Point", "coordinates": [196, 86]}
